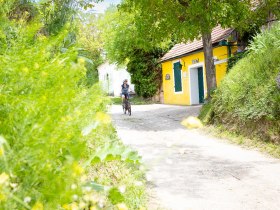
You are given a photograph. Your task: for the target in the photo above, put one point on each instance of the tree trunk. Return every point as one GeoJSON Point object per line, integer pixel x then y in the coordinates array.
{"type": "Point", "coordinates": [209, 64]}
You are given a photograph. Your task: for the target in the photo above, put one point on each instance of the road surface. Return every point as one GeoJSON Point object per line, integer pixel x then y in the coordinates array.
{"type": "Point", "coordinates": [188, 170]}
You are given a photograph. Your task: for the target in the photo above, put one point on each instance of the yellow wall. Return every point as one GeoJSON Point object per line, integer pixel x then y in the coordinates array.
{"type": "Point", "coordinates": [183, 98]}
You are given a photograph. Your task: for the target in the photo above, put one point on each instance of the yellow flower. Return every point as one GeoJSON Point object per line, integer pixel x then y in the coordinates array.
{"type": "Point", "coordinates": [192, 122]}
{"type": "Point", "coordinates": [3, 178]}
{"type": "Point", "coordinates": [81, 61]}
{"type": "Point", "coordinates": [25, 69]}
{"type": "Point", "coordinates": [1, 151]}
{"type": "Point", "coordinates": [66, 206]}
{"type": "Point", "coordinates": [2, 197]}
{"type": "Point", "coordinates": [77, 169]}
{"type": "Point", "coordinates": [93, 208]}
{"type": "Point", "coordinates": [36, 66]}
{"type": "Point", "coordinates": [91, 198]}
{"type": "Point", "coordinates": [103, 118]}
{"type": "Point", "coordinates": [38, 206]}
{"type": "Point", "coordinates": [122, 206]}
{"type": "Point", "coordinates": [74, 206]}
{"type": "Point", "coordinates": [68, 118]}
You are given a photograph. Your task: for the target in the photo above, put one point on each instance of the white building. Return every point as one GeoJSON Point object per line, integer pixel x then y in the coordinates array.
{"type": "Point", "coordinates": [111, 78]}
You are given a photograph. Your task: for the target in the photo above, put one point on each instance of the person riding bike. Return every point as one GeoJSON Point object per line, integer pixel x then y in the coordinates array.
{"type": "Point", "coordinates": [125, 90]}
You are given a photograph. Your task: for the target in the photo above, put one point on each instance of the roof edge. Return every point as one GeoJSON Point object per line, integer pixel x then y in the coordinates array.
{"type": "Point", "coordinates": [189, 53]}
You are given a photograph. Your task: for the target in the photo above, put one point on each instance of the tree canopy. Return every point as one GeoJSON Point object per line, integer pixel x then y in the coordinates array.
{"type": "Point", "coordinates": [183, 20]}
{"type": "Point", "coordinates": [124, 45]}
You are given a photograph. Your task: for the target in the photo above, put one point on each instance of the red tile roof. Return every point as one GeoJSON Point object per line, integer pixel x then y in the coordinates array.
{"type": "Point", "coordinates": [179, 50]}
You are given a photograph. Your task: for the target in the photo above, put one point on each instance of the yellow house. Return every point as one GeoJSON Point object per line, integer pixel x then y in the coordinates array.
{"type": "Point", "coordinates": [183, 68]}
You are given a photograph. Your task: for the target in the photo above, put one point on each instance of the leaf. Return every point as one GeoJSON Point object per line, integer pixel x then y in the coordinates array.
{"type": "Point", "coordinates": [86, 59]}
{"type": "Point", "coordinates": [115, 196]}
{"type": "Point", "coordinates": [95, 186]}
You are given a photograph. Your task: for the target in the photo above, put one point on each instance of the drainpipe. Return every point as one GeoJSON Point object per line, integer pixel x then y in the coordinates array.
{"type": "Point", "coordinates": [108, 83]}
{"type": "Point", "coordinates": [229, 50]}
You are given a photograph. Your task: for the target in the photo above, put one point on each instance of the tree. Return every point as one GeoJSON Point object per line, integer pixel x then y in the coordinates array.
{"type": "Point", "coordinates": [123, 45]}
{"type": "Point", "coordinates": [185, 20]}
{"type": "Point", "coordinates": [90, 45]}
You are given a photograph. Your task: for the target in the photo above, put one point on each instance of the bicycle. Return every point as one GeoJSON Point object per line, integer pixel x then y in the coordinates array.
{"type": "Point", "coordinates": [126, 106]}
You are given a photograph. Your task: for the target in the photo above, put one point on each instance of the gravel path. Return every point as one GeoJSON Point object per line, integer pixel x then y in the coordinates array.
{"type": "Point", "coordinates": [191, 171]}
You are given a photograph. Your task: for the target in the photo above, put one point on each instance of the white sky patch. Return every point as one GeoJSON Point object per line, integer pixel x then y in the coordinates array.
{"type": "Point", "coordinates": [102, 6]}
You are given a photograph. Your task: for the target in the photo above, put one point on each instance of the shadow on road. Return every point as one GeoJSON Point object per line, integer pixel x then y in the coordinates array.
{"type": "Point", "coordinates": [158, 118]}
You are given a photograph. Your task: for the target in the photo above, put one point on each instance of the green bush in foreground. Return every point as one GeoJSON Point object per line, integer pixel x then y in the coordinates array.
{"type": "Point", "coordinates": [248, 99]}
{"type": "Point", "coordinates": [56, 140]}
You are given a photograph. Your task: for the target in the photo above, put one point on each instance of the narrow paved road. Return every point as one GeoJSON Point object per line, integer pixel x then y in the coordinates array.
{"type": "Point", "coordinates": [191, 171]}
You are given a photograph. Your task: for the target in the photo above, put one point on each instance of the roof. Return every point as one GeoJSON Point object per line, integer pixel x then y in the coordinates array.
{"type": "Point", "coordinates": [180, 50]}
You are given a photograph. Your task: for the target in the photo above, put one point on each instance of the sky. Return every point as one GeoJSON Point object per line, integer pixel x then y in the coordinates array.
{"type": "Point", "coordinates": [102, 6]}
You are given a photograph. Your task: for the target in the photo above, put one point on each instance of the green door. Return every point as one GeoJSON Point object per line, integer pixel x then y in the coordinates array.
{"type": "Point", "coordinates": [200, 84]}
{"type": "Point", "coordinates": [177, 77]}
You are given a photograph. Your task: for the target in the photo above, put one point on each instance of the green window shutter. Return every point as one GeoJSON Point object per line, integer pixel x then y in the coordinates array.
{"type": "Point", "coordinates": [200, 84]}
{"type": "Point", "coordinates": [177, 77]}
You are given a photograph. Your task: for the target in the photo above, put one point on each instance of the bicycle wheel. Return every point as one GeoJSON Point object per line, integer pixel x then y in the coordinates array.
{"type": "Point", "coordinates": [124, 111]}
{"type": "Point", "coordinates": [129, 109]}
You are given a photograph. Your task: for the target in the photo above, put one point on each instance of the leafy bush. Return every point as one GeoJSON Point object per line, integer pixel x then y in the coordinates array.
{"type": "Point", "coordinates": [123, 46]}
{"type": "Point", "coordinates": [234, 59]}
{"type": "Point", "coordinates": [56, 139]}
{"type": "Point", "coordinates": [145, 72]}
{"type": "Point", "coordinates": [248, 99]}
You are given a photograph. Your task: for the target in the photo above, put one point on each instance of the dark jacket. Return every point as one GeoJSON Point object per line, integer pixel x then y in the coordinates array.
{"type": "Point", "coordinates": [125, 89]}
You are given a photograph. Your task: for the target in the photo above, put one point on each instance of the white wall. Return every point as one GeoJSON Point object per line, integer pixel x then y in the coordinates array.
{"type": "Point", "coordinates": [105, 73]}
{"type": "Point", "coordinates": [116, 75]}
{"type": "Point", "coordinates": [194, 86]}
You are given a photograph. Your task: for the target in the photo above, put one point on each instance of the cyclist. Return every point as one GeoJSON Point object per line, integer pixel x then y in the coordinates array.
{"type": "Point", "coordinates": [124, 90]}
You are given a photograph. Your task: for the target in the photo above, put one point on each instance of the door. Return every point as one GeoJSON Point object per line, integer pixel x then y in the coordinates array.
{"type": "Point", "coordinates": [200, 84]}
{"type": "Point", "coordinates": [177, 77]}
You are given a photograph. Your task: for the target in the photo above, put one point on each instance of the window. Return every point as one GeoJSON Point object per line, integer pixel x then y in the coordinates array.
{"type": "Point", "coordinates": [177, 67]}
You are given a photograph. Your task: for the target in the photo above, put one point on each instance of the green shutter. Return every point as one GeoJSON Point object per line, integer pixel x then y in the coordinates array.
{"type": "Point", "coordinates": [177, 77]}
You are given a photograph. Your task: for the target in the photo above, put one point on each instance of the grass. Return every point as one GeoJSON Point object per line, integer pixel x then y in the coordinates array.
{"type": "Point", "coordinates": [136, 100]}
{"type": "Point", "coordinates": [247, 101]}
{"type": "Point", "coordinates": [234, 137]}
{"type": "Point", "coordinates": [205, 114]}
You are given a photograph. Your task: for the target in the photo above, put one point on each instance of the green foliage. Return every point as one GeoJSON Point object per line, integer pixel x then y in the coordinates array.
{"type": "Point", "coordinates": [234, 59]}
{"type": "Point", "coordinates": [206, 113]}
{"type": "Point", "coordinates": [41, 111]}
{"type": "Point", "coordinates": [123, 45]}
{"type": "Point", "coordinates": [115, 196]}
{"type": "Point", "coordinates": [53, 125]}
{"type": "Point", "coordinates": [92, 60]}
{"type": "Point", "coordinates": [145, 72]}
{"type": "Point", "coordinates": [248, 98]}
{"type": "Point", "coordinates": [23, 9]}
{"type": "Point", "coordinates": [159, 21]}
{"type": "Point", "coordinates": [58, 12]}
{"type": "Point", "coordinates": [185, 20]}
{"type": "Point", "coordinates": [89, 41]}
